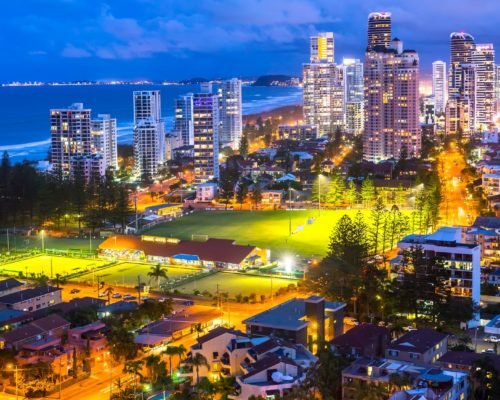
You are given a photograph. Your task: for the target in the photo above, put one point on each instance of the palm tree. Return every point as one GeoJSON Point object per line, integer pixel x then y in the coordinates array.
{"type": "Point", "coordinates": [198, 329]}
{"type": "Point", "coordinates": [109, 291]}
{"type": "Point", "coordinates": [181, 351]}
{"type": "Point", "coordinates": [198, 361]}
{"type": "Point", "coordinates": [170, 351]}
{"type": "Point", "coordinates": [151, 363]}
{"type": "Point", "coordinates": [134, 368]}
{"type": "Point", "coordinates": [157, 272]}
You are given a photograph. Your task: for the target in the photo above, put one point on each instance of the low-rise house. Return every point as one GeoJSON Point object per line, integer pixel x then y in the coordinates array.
{"type": "Point", "coordinates": [464, 360]}
{"type": "Point", "coordinates": [422, 346]}
{"type": "Point", "coordinates": [206, 192]}
{"type": "Point", "coordinates": [424, 382]}
{"type": "Point", "coordinates": [32, 299]}
{"type": "Point", "coordinates": [270, 377]}
{"type": "Point", "coordinates": [10, 285]}
{"type": "Point", "coordinates": [491, 184]}
{"type": "Point", "coordinates": [365, 340]}
{"type": "Point", "coordinates": [12, 319]}
{"type": "Point", "coordinates": [89, 337]}
{"type": "Point", "coordinates": [300, 321]}
{"type": "Point", "coordinates": [47, 328]}
{"type": "Point", "coordinates": [272, 196]}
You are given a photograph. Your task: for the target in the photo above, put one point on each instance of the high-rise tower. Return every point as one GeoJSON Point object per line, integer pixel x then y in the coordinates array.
{"type": "Point", "coordinates": [322, 48]}
{"type": "Point", "coordinates": [392, 125]}
{"type": "Point", "coordinates": [230, 113]}
{"type": "Point", "coordinates": [149, 133]}
{"type": "Point", "coordinates": [379, 29]}
{"type": "Point", "coordinates": [439, 86]}
{"type": "Point", "coordinates": [183, 123]}
{"type": "Point", "coordinates": [483, 58]}
{"type": "Point", "coordinates": [353, 95]}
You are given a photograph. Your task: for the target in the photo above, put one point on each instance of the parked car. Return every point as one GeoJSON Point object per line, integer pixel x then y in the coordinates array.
{"type": "Point", "coordinates": [116, 296]}
{"type": "Point", "coordinates": [103, 294]}
{"type": "Point", "coordinates": [144, 298]}
{"type": "Point", "coordinates": [489, 351]}
{"type": "Point", "coordinates": [492, 339]}
{"type": "Point", "coordinates": [74, 291]}
{"type": "Point", "coordinates": [129, 297]}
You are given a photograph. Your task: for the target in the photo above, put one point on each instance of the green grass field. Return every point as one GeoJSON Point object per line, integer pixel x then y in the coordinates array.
{"type": "Point", "coordinates": [267, 229]}
{"type": "Point", "coordinates": [42, 264]}
{"type": "Point", "coordinates": [125, 274]}
{"type": "Point", "coordinates": [234, 284]}
{"type": "Point", "coordinates": [35, 242]}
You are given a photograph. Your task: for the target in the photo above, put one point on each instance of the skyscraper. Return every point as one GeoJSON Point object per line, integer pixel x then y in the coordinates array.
{"type": "Point", "coordinates": [391, 103]}
{"type": "Point", "coordinates": [322, 48]}
{"type": "Point", "coordinates": [483, 57]}
{"type": "Point", "coordinates": [323, 96]}
{"type": "Point", "coordinates": [461, 46]}
{"type": "Point", "coordinates": [353, 95]}
{"type": "Point", "coordinates": [323, 91]}
{"type": "Point", "coordinates": [439, 86]}
{"type": "Point", "coordinates": [183, 124]}
{"type": "Point", "coordinates": [206, 137]}
{"type": "Point", "coordinates": [149, 133]}
{"type": "Point", "coordinates": [230, 113]}
{"type": "Point", "coordinates": [70, 135]}
{"type": "Point", "coordinates": [379, 29]}
{"type": "Point", "coordinates": [103, 131]}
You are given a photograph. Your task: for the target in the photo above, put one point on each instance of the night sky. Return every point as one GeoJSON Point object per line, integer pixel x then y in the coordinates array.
{"type": "Point", "coordinates": [178, 39]}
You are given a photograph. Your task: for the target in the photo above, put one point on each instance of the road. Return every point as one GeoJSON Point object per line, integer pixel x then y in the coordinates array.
{"type": "Point", "coordinates": [457, 206]}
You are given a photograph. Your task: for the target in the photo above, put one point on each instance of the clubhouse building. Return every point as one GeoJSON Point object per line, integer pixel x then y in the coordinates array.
{"type": "Point", "coordinates": [211, 253]}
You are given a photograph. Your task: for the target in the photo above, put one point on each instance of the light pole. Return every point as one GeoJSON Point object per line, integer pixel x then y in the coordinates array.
{"type": "Point", "coordinates": [42, 232]}
{"type": "Point", "coordinates": [319, 194]}
{"type": "Point", "coordinates": [10, 366]}
{"type": "Point", "coordinates": [289, 209]}
{"type": "Point", "coordinates": [135, 205]}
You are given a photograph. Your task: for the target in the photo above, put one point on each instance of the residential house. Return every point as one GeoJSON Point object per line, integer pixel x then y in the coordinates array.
{"type": "Point", "coordinates": [422, 346]}
{"type": "Point", "coordinates": [365, 340]}
{"type": "Point", "coordinates": [32, 299]}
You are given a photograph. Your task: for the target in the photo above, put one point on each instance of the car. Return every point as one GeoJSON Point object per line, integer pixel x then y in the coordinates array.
{"type": "Point", "coordinates": [489, 351]}
{"type": "Point", "coordinates": [492, 339]}
{"type": "Point", "coordinates": [74, 291]}
{"type": "Point", "coordinates": [162, 299]}
{"type": "Point", "coordinates": [116, 296]}
{"type": "Point", "coordinates": [409, 328]}
{"type": "Point", "coordinates": [144, 298]}
{"type": "Point", "coordinates": [102, 294]}
{"type": "Point", "coordinates": [129, 297]}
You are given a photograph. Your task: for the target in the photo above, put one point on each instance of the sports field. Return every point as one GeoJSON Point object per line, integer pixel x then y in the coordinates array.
{"type": "Point", "coordinates": [45, 264]}
{"type": "Point", "coordinates": [126, 273]}
{"type": "Point", "coordinates": [49, 242]}
{"type": "Point", "coordinates": [267, 229]}
{"type": "Point", "coordinates": [235, 284]}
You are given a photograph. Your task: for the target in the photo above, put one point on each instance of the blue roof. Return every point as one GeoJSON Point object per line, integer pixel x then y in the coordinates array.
{"type": "Point", "coordinates": [6, 315]}
{"type": "Point", "coordinates": [494, 323]}
{"type": "Point", "coordinates": [188, 257]}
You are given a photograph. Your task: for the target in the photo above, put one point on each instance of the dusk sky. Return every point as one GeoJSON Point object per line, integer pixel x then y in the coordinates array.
{"type": "Point", "coordinates": [178, 39]}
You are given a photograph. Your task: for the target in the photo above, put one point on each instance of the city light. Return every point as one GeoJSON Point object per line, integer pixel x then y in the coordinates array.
{"type": "Point", "coordinates": [288, 264]}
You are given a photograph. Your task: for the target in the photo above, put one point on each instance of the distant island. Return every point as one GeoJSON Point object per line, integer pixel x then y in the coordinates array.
{"type": "Point", "coordinates": [276, 80]}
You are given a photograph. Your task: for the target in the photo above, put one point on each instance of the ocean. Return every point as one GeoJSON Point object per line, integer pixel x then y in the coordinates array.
{"type": "Point", "coordinates": [24, 110]}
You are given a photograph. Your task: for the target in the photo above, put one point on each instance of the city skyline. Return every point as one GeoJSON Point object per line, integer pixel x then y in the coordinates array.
{"type": "Point", "coordinates": [136, 39]}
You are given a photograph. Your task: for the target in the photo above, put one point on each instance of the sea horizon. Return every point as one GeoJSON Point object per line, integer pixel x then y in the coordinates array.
{"type": "Point", "coordinates": [25, 110]}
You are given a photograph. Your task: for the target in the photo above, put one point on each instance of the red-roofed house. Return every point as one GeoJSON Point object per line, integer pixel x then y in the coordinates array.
{"type": "Point", "coordinates": [209, 254]}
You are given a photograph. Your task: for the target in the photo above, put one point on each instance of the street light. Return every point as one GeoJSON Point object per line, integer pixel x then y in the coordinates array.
{"type": "Point", "coordinates": [42, 233]}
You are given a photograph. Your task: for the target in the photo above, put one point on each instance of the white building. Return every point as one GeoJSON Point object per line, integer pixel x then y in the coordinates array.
{"type": "Point", "coordinates": [483, 57]}
{"type": "Point", "coordinates": [322, 48]}
{"type": "Point", "coordinates": [149, 134]}
{"type": "Point", "coordinates": [103, 131]}
{"type": "Point", "coordinates": [206, 137]}
{"type": "Point", "coordinates": [230, 113]}
{"type": "Point", "coordinates": [439, 86]}
{"type": "Point", "coordinates": [491, 184]}
{"type": "Point", "coordinates": [92, 166]}
{"type": "Point", "coordinates": [183, 123]}
{"type": "Point", "coordinates": [353, 96]}
{"type": "Point", "coordinates": [262, 366]}
{"type": "Point", "coordinates": [70, 135]}
{"type": "Point", "coordinates": [206, 192]}
{"type": "Point", "coordinates": [461, 260]}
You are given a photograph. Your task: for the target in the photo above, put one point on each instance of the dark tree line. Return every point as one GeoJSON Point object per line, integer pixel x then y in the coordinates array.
{"type": "Point", "coordinates": [29, 197]}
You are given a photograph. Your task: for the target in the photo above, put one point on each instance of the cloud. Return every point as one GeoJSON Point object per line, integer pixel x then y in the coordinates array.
{"type": "Point", "coordinates": [37, 53]}
{"type": "Point", "coordinates": [71, 51]}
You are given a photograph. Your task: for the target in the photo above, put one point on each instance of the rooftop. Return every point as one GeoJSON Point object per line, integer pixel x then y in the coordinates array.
{"type": "Point", "coordinates": [361, 335]}
{"type": "Point", "coordinates": [216, 250]}
{"type": "Point", "coordinates": [27, 294]}
{"type": "Point", "coordinates": [418, 341]}
{"type": "Point", "coordinates": [288, 315]}
{"type": "Point", "coordinates": [9, 283]}
{"type": "Point", "coordinates": [487, 222]}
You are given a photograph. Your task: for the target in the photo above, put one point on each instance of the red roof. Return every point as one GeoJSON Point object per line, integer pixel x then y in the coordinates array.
{"type": "Point", "coordinates": [215, 250]}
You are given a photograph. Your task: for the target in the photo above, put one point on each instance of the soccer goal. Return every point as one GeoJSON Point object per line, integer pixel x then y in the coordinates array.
{"type": "Point", "coordinates": [199, 238]}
